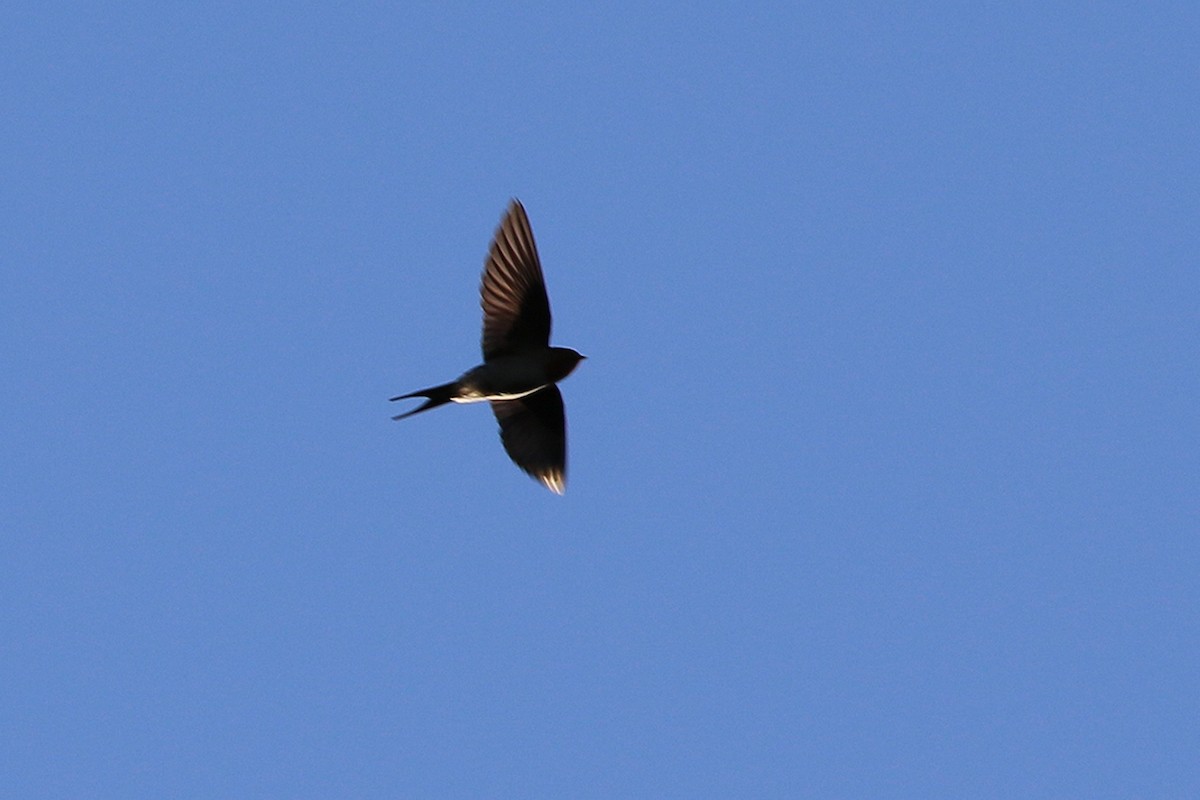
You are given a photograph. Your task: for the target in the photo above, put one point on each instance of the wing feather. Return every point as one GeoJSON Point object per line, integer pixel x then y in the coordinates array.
{"type": "Point", "coordinates": [534, 432]}
{"type": "Point", "coordinates": [516, 309]}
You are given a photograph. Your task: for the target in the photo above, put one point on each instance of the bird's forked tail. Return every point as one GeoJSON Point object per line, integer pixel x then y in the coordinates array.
{"type": "Point", "coordinates": [435, 396]}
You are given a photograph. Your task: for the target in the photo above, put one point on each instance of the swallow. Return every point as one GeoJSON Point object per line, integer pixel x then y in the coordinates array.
{"type": "Point", "coordinates": [520, 370]}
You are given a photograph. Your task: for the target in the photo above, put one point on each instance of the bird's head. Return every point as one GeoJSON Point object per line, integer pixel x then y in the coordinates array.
{"type": "Point", "coordinates": [563, 361]}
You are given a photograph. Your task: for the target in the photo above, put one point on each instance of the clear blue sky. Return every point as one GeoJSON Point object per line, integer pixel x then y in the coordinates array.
{"type": "Point", "coordinates": [884, 463]}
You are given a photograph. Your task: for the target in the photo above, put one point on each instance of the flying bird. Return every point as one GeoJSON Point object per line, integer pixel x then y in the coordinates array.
{"type": "Point", "coordinates": [520, 369]}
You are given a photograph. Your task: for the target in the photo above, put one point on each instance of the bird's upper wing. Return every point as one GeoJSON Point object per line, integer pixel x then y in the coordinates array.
{"type": "Point", "coordinates": [516, 310]}
{"type": "Point", "coordinates": [534, 431]}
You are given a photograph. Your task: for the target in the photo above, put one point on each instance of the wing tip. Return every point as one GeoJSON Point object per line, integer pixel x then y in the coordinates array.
{"type": "Point", "coordinates": [555, 481]}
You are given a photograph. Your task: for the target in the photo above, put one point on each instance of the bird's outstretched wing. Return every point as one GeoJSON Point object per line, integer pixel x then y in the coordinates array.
{"type": "Point", "coordinates": [534, 431]}
{"type": "Point", "coordinates": [516, 310]}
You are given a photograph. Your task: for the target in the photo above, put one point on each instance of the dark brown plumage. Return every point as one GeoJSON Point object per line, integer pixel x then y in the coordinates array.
{"type": "Point", "coordinates": [520, 368]}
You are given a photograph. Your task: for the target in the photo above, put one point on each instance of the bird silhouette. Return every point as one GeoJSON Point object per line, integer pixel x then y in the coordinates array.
{"type": "Point", "coordinates": [520, 369]}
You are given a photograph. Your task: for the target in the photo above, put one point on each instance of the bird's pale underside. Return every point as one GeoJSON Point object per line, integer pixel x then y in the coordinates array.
{"type": "Point", "coordinates": [520, 369]}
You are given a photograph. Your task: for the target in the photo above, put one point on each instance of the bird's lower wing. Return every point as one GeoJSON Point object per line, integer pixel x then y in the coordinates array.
{"type": "Point", "coordinates": [534, 431]}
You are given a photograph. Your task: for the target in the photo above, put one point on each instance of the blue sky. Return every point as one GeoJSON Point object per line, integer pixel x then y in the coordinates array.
{"type": "Point", "coordinates": [883, 475]}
